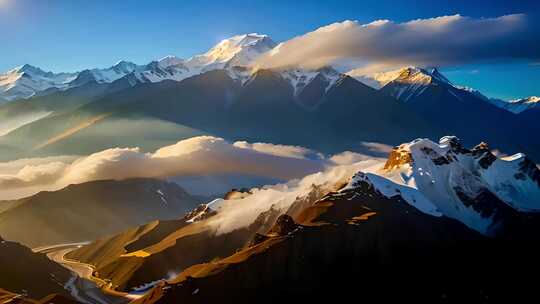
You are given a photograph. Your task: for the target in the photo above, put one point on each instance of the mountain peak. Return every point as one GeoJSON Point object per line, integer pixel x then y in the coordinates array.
{"type": "Point", "coordinates": [434, 72]}
{"type": "Point", "coordinates": [485, 190]}
{"type": "Point", "coordinates": [422, 76]}
{"type": "Point", "coordinates": [124, 66]}
{"type": "Point", "coordinates": [516, 106]}
{"type": "Point", "coordinates": [170, 60]}
{"type": "Point", "coordinates": [527, 100]}
{"type": "Point", "coordinates": [27, 68]}
{"type": "Point", "coordinates": [406, 75]}
{"type": "Point", "coordinates": [236, 50]}
{"type": "Point", "coordinates": [27, 80]}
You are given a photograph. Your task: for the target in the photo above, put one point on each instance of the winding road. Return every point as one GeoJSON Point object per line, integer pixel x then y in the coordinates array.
{"type": "Point", "coordinates": [82, 285]}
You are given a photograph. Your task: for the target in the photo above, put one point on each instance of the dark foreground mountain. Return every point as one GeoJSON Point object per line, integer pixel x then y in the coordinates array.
{"type": "Point", "coordinates": [360, 245]}
{"type": "Point", "coordinates": [10, 297]}
{"type": "Point", "coordinates": [92, 210]}
{"type": "Point", "coordinates": [24, 273]}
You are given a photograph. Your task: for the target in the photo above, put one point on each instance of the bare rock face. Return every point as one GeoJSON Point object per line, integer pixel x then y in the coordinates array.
{"type": "Point", "coordinates": [397, 158]}
{"type": "Point", "coordinates": [258, 238]}
{"type": "Point", "coordinates": [200, 213]}
{"type": "Point", "coordinates": [528, 168]}
{"type": "Point", "coordinates": [284, 225]}
{"type": "Point", "coordinates": [237, 194]}
{"type": "Point", "coordinates": [484, 156]}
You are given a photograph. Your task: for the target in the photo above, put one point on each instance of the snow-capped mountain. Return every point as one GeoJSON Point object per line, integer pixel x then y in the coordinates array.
{"type": "Point", "coordinates": [407, 83]}
{"type": "Point", "coordinates": [412, 81]}
{"type": "Point", "coordinates": [26, 81]}
{"type": "Point", "coordinates": [108, 75]}
{"type": "Point", "coordinates": [376, 80]}
{"type": "Point", "coordinates": [233, 55]}
{"type": "Point", "coordinates": [517, 106]}
{"type": "Point", "coordinates": [235, 51]}
{"type": "Point", "coordinates": [301, 78]}
{"type": "Point", "coordinates": [473, 186]}
{"type": "Point", "coordinates": [409, 75]}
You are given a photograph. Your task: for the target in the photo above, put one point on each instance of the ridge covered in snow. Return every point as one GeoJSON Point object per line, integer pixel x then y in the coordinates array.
{"type": "Point", "coordinates": [238, 50]}
{"type": "Point", "coordinates": [300, 78]}
{"type": "Point", "coordinates": [473, 186]}
{"type": "Point", "coordinates": [517, 106]}
{"type": "Point", "coordinates": [414, 81]}
{"type": "Point", "coordinates": [408, 75]}
{"type": "Point", "coordinates": [26, 81]}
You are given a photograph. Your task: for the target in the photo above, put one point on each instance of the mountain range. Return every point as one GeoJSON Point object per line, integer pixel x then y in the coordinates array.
{"type": "Point", "coordinates": [27, 81]}
{"type": "Point", "coordinates": [221, 93]}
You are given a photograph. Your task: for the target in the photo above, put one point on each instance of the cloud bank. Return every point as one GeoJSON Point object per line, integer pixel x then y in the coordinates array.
{"type": "Point", "coordinates": [203, 155]}
{"type": "Point", "coordinates": [235, 214]}
{"type": "Point", "coordinates": [384, 44]}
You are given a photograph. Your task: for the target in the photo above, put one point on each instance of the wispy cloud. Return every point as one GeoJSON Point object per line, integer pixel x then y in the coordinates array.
{"type": "Point", "coordinates": [11, 123]}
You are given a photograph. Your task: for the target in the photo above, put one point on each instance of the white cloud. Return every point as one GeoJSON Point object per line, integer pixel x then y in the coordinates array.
{"type": "Point", "coordinates": [280, 150]}
{"type": "Point", "coordinates": [203, 155]}
{"type": "Point", "coordinates": [383, 44]}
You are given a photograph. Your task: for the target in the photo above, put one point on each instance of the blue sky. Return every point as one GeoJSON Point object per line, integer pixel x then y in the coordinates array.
{"type": "Point", "coordinates": [68, 35]}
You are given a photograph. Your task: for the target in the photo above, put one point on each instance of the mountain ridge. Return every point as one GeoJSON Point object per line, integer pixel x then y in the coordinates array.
{"type": "Point", "coordinates": [91, 210]}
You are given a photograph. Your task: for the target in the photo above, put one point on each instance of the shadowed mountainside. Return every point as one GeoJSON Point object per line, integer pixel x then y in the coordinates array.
{"type": "Point", "coordinates": [92, 210]}
{"type": "Point", "coordinates": [28, 273]}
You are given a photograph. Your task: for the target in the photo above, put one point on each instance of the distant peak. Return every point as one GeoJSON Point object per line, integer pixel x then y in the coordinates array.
{"type": "Point", "coordinates": [170, 57]}
{"type": "Point", "coordinates": [422, 75]}
{"type": "Point", "coordinates": [124, 67]}
{"type": "Point", "coordinates": [244, 40]}
{"type": "Point", "coordinates": [244, 36]}
{"type": "Point", "coordinates": [124, 63]}
{"type": "Point", "coordinates": [237, 50]}
{"type": "Point", "coordinates": [27, 68]}
{"type": "Point", "coordinates": [527, 100]}
{"type": "Point", "coordinates": [170, 60]}
{"type": "Point", "coordinates": [434, 72]}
